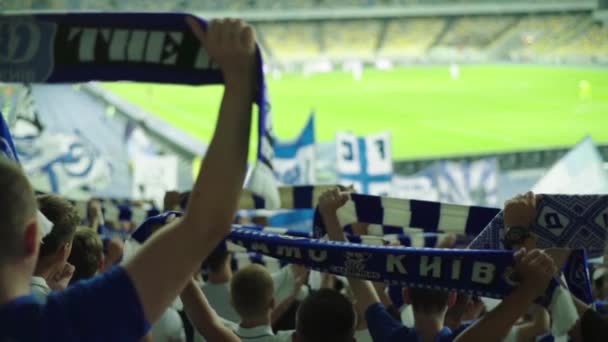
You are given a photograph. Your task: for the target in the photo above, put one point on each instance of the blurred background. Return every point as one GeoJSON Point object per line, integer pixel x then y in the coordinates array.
{"type": "Point", "coordinates": [468, 101]}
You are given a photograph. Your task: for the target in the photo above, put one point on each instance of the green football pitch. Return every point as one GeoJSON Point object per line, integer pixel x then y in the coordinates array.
{"type": "Point", "coordinates": [488, 109]}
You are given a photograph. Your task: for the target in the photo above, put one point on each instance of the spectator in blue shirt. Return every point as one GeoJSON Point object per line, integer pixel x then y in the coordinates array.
{"type": "Point", "coordinates": [430, 306]}
{"type": "Point", "coordinates": [120, 304]}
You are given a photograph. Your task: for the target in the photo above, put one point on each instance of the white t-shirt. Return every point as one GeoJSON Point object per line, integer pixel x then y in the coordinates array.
{"type": "Point", "coordinates": [363, 336]}
{"type": "Point", "coordinates": [169, 328]}
{"type": "Point", "coordinates": [218, 296]}
{"type": "Point", "coordinates": [40, 289]}
{"type": "Point", "coordinates": [263, 333]}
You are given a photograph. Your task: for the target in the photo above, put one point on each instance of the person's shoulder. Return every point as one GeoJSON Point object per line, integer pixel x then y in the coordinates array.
{"type": "Point", "coordinates": [23, 319]}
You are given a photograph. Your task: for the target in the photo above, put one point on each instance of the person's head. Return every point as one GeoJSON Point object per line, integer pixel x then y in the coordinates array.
{"type": "Point", "coordinates": [19, 235]}
{"type": "Point", "coordinates": [326, 316]}
{"type": "Point", "coordinates": [56, 246]}
{"type": "Point", "coordinates": [429, 302]}
{"type": "Point", "coordinates": [87, 254]}
{"type": "Point", "coordinates": [252, 293]}
{"type": "Point", "coordinates": [457, 313]}
{"type": "Point", "coordinates": [218, 261]}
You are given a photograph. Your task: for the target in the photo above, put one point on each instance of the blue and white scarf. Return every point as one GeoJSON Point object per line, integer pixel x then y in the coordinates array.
{"type": "Point", "coordinates": [142, 47]}
{"type": "Point", "coordinates": [572, 221]}
{"type": "Point", "coordinates": [424, 216]}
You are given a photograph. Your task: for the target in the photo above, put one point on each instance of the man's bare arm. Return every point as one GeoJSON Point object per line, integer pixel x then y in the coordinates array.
{"type": "Point", "coordinates": [167, 260]}
{"type": "Point", "coordinates": [203, 317]}
{"type": "Point", "coordinates": [536, 269]}
{"type": "Point", "coordinates": [329, 202]}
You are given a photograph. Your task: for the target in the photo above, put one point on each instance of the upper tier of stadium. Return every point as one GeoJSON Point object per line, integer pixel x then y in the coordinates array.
{"type": "Point", "coordinates": [539, 36]}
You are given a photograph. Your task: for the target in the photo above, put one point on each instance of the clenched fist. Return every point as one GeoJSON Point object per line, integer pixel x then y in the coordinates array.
{"type": "Point", "coordinates": [231, 44]}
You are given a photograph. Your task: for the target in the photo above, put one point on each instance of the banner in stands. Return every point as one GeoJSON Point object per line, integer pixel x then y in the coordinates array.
{"type": "Point", "coordinates": [420, 186]}
{"type": "Point", "coordinates": [365, 162]}
{"type": "Point", "coordinates": [580, 172]}
{"type": "Point", "coordinates": [63, 163]}
{"type": "Point", "coordinates": [294, 162]}
{"type": "Point", "coordinates": [468, 183]}
{"type": "Point", "coordinates": [153, 176]}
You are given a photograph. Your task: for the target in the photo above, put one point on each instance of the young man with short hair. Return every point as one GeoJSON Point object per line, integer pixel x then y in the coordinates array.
{"type": "Point", "coordinates": [87, 254]}
{"type": "Point", "coordinates": [52, 270]}
{"type": "Point", "coordinates": [325, 316]}
{"type": "Point", "coordinates": [430, 306]}
{"type": "Point", "coordinates": [130, 297]}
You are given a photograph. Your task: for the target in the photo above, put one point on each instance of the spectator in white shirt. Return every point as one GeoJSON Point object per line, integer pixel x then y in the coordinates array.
{"type": "Point", "coordinates": [252, 295]}
{"type": "Point", "coordinates": [52, 270]}
{"type": "Point", "coordinates": [217, 287]}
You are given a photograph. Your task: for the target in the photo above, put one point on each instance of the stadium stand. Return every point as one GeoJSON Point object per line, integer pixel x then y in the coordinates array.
{"type": "Point", "coordinates": [344, 39]}
{"type": "Point", "coordinates": [537, 35]}
{"type": "Point", "coordinates": [290, 41]}
{"type": "Point", "coordinates": [591, 45]}
{"type": "Point", "coordinates": [410, 38]}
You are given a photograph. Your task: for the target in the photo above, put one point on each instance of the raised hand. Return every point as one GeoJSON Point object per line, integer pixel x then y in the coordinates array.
{"type": "Point", "coordinates": [536, 269]}
{"type": "Point", "coordinates": [230, 43]}
{"type": "Point", "coordinates": [331, 200]}
{"type": "Point", "coordinates": [61, 278]}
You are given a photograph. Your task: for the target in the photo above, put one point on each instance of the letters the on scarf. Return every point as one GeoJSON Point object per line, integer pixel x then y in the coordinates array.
{"type": "Point", "coordinates": [142, 47]}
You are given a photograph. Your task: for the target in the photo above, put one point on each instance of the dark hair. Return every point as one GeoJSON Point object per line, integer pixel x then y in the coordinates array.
{"type": "Point", "coordinates": [428, 301]}
{"type": "Point", "coordinates": [65, 219]}
{"type": "Point", "coordinates": [251, 290]}
{"type": "Point", "coordinates": [18, 205]}
{"type": "Point", "coordinates": [326, 316]}
{"type": "Point", "coordinates": [216, 260]}
{"type": "Point", "coordinates": [459, 308]}
{"type": "Point", "coordinates": [87, 253]}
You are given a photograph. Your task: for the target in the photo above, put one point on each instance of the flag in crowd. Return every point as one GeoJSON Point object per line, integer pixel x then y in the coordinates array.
{"type": "Point", "coordinates": [365, 162]}
{"type": "Point", "coordinates": [580, 171]}
{"type": "Point", "coordinates": [294, 161]}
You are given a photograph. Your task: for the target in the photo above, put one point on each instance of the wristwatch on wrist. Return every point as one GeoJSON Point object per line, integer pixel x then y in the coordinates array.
{"type": "Point", "coordinates": [515, 236]}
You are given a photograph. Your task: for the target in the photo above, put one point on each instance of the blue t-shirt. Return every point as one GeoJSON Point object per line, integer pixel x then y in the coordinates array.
{"type": "Point", "coordinates": [385, 328]}
{"type": "Point", "coordinates": [103, 308]}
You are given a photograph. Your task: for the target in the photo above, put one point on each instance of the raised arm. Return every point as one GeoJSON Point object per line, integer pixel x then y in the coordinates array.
{"type": "Point", "coordinates": [165, 263]}
{"type": "Point", "coordinates": [329, 203]}
{"type": "Point", "coordinates": [204, 319]}
{"type": "Point", "coordinates": [536, 270]}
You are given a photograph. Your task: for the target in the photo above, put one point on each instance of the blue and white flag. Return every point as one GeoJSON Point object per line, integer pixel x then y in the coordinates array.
{"type": "Point", "coordinates": [466, 183]}
{"type": "Point", "coordinates": [579, 172]}
{"type": "Point", "coordinates": [365, 162]}
{"type": "Point", "coordinates": [469, 183]}
{"type": "Point", "coordinates": [142, 47]}
{"type": "Point", "coordinates": [66, 164]}
{"type": "Point", "coordinates": [421, 186]}
{"type": "Point", "coordinates": [294, 161]}
{"type": "Point", "coordinates": [7, 147]}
